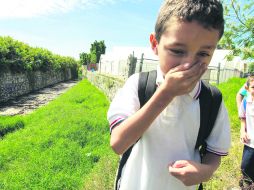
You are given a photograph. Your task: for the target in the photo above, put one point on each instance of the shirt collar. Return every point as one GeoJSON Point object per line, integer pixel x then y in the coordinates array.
{"type": "Point", "coordinates": [194, 93]}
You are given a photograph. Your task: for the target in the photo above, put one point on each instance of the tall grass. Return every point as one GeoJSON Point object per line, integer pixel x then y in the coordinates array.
{"type": "Point", "coordinates": [60, 143]}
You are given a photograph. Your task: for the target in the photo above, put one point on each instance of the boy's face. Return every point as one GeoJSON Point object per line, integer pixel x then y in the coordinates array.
{"type": "Point", "coordinates": [185, 42]}
{"type": "Point", "coordinates": [250, 88]}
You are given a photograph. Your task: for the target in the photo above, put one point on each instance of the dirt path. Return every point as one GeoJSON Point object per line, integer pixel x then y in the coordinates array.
{"type": "Point", "coordinates": [27, 103]}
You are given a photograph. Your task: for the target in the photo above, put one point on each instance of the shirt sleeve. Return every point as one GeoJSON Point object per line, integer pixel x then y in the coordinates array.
{"type": "Point", "coordinates": [243, 91]}
{"type": "Point", "coordinates": [219, 140]}
{"type": "Point", "coordinates": [125, 102]}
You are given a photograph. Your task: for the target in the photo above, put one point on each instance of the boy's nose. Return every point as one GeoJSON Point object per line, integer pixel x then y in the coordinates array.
{"type": "Point", "coordinates": [190, 59]}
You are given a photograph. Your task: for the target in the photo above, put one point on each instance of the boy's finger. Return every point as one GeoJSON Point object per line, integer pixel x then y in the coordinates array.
{"type": "Point", "coordinates": [179, 164]}
{"type": "Point", "coordinates": [195, 73]}
{"type": "Point", "coordinates": [181, 67]}
{"type": "Point", "coordinates": [189, 78]}
{"type": "Point", "coordinates": [185, 67]}
{"type": "Point", "coordinates": [175, 171]}
{"type": "Point", "coordinates": [193, 76]}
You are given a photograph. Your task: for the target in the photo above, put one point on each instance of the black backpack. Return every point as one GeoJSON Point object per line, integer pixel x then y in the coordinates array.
{"type": "Point", "coordinates": [209, 99]}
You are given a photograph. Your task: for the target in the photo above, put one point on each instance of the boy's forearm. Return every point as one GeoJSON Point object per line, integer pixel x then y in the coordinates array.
{"type": "Point", "coordinates": [211, 163]}
{"type": "Point", "coordinates": [239, 99]}
{"type": "Point", "coordinates": [129, 131]}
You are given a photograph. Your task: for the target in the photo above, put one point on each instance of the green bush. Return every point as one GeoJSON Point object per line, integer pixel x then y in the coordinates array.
{"type": "Point", "coordinates": [18, 56]}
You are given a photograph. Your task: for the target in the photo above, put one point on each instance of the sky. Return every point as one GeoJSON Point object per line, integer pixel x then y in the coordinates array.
{"type": "Point", "coordinates": [69, 27]}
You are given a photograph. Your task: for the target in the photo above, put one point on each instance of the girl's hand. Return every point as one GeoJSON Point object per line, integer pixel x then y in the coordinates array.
{"type": "Point", "coordinates": [244, 137]}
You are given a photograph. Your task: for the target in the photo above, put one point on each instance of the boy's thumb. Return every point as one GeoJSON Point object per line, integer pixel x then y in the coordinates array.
{"type": "Point", "coordinates": [179, 164]}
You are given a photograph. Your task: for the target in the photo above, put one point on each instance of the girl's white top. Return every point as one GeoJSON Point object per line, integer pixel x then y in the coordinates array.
{"type": "Point", "coordinates": [248, 114]}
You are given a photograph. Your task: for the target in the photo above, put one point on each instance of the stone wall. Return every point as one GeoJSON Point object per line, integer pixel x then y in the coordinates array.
{"type": "Point", "coordinates": [17, 84]}
{"type": "Point", "coordinates": [108, 84]}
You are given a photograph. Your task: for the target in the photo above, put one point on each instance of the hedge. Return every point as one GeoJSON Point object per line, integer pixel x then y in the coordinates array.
{"type": "Point", "coordinates": [18, 56]}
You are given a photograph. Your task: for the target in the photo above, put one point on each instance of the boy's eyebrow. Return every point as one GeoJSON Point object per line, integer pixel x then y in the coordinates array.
{"type": "Point", "coordinates": [208, 47]}
{"type": "Point", "coordinates": [183, 45]}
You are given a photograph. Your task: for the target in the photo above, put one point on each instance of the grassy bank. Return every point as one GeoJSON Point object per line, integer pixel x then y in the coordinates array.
{"type": "Point", "coordinates": [10, 124]}
{"type": "Point", "coordinates": [59, 144]}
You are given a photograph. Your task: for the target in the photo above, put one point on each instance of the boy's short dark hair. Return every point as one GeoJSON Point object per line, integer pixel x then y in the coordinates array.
{"type": "Point", "coordinates": [250, 79]}
{"type": "Point", "coordinates": [209, 13]}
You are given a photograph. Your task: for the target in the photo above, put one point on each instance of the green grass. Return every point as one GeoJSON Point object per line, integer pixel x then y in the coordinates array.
{"type": "Point", "coordinates": [9, 124]}
{"type": "Point", "coordinates": [59, 144]}
{"type": "Point", "coordinates": [228, 174]}
{"type": "Point", "coordinates": [65, 144]}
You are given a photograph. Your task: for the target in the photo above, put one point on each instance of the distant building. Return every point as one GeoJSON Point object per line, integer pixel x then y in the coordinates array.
{"type": "Point", "coordinates": [219, 57]}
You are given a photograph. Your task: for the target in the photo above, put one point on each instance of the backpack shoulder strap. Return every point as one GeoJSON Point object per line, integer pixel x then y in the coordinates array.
{"type": "Point", "coordinates": [210, 100]}
{"type": "Point", "coordinates": [146, 88]}
{"type": "Point", "coordinates": [121, 164]}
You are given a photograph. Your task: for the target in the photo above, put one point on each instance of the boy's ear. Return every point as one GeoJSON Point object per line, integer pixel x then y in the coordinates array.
{"type": "Point", "coordinates": [153, 43]}
{"type": "Point", "coordinates": [246, 86]}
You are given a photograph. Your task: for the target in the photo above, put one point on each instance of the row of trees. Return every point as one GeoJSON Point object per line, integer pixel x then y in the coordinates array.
{"type": "Point", "coordinates": [97, 48]}
{"type": "Point", "coordinates": [18, 56]}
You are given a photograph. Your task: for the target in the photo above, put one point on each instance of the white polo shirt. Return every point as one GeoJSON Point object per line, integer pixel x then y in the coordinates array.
{"type": "Point", "coordinates": [248, 114]}
{"type": "Point", "coordinates": [172, 136]}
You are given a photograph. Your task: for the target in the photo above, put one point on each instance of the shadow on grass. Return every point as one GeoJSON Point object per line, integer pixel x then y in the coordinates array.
{"type": "Point", "coordinates": [12, 127]}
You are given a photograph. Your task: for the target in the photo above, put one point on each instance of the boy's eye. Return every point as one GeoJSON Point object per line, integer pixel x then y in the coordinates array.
{"type": "Point", "coordinates": [204, 54]}
{"type": "Point", "coordinates": [177, 52]}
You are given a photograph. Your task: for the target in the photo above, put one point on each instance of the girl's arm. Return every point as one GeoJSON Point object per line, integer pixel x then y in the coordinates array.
{"type": "Point", "coordinates": [243, 132]}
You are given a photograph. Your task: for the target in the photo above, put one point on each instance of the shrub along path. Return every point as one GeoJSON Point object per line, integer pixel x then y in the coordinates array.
{"type": "Point", "coordinates": [27, 103]}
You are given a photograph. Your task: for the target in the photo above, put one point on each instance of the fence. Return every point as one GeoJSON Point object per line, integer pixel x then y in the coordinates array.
{"type": "Point", "coordinates": [218, 75]}
{"type": "Point", "coordinates": [124, 68]}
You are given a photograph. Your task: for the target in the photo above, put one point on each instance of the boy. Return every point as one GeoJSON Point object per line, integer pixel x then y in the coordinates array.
{"type": "Point", "coordinates": [246, 114]}
{"type": "Point", "coordinates": [165, 129]}
{"type": "Point", "coordinates": [240, 95]}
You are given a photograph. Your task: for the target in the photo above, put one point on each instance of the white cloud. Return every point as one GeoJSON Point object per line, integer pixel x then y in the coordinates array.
{"type": "Point", "coordinates": [33, 8]}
